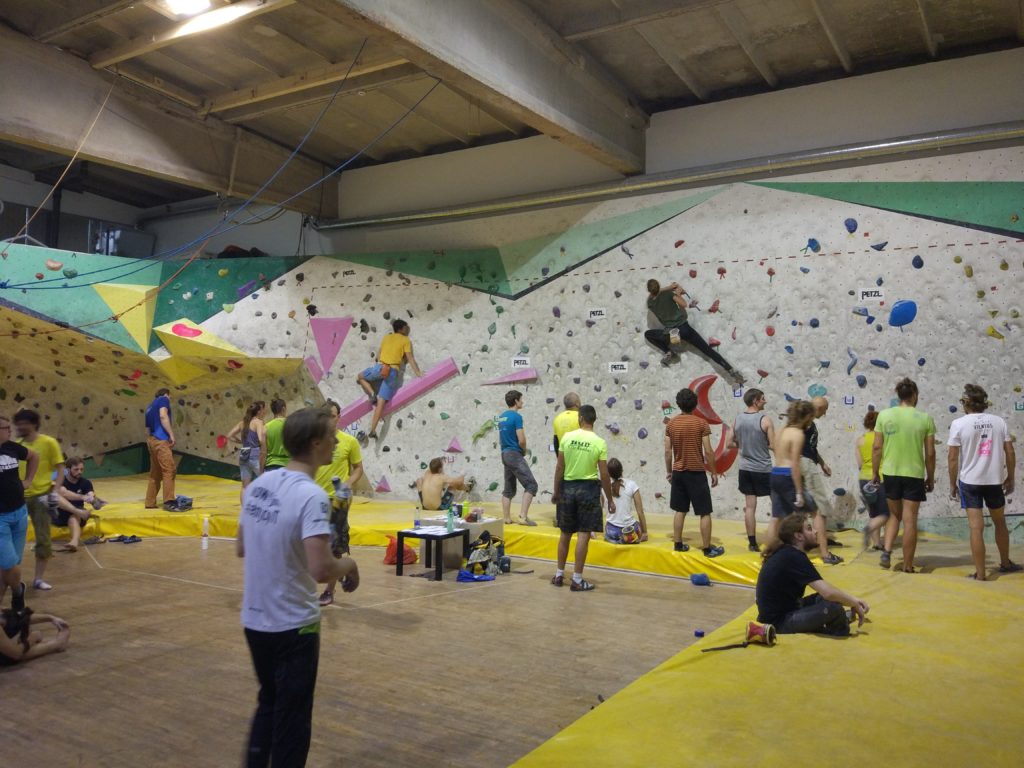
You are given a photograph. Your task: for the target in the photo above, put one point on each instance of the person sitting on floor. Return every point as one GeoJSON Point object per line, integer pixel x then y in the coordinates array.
{"type": "Point", "coordinates": [627, 525]}
{"type": "Point", "coordinates": [787, 572]}
{"type": "Point", "coordinates": [437, 490]}
{"type": "Point", "coordinates": [71, 497]}
{"type": "Point", "coordinates": [19, 643]}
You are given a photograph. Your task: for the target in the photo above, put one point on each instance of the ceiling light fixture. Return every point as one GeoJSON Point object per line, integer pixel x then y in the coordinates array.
{"type": "Point", "coordinates": [187, 7]}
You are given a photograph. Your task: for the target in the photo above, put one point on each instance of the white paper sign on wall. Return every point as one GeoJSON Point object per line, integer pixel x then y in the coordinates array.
{"type": "Point", "coordinates": [520, 362]}
{"type": "Point", "coordinates": [599, 313]}
{"type": "Point", "coordinates": [874, 293]}
{"type": "Point", "coordinates": [618, 367]}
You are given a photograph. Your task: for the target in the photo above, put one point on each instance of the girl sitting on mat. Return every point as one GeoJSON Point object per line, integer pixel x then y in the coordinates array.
{"type": "Point", "coordinates": [627, 525]}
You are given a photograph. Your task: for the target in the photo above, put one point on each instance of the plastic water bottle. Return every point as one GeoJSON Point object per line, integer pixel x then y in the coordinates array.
{"type": "Point", "coordinates": [451, 520]}
{"type": "Point", "coordinates": [342, 491]}
{"type": "Point", "coordinates": [416, 519]}
{"type": "Point", "coordinates": [205, 538]}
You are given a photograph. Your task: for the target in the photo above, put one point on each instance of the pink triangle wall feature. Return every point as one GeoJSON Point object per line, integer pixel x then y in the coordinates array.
{"type": "Point", "coordinates": [409, 391]}
{"type": "Point", "coordinates": [329, 334]}
{"type": "Point", "coordinates": [314, 369]}
{"type": "Point", "coordinates": [454, 446]}
{"type": "Point", "coordinates": [383, 486]}
{"type": "Point", "coordinates": [527, 374]}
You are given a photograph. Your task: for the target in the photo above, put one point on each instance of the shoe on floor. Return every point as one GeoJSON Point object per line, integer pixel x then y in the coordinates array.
{"type": "Point", "coordinates": [326, 598]}
{"type": "Point", "coordinates": [41, 585]}
{"type": "Point", "coordinates": [753, 547]}
{"type": "Point", "coordinates": [885, 560]}
{"type": "Point", "coordinates": [527, 522]}
{"type": "Point", "coordinates": [171, 506]}
{"type": "Point", "coordinates": [1010, 567]}
{"type": "Point", "coordinates": [714, 551]}
{"type": "Point", "coordinates": [681, 546]}
{"type": "Point", "coordinates": [98, 504]}
{"type": "Point", "coordinates": [580, 586]}
{"type": "Point", "coordinates": [831, 559]}
{"type": "Point", "coordinates": [557, 581]}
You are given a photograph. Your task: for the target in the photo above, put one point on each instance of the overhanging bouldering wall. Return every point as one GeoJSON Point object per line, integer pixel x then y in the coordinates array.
{"type": "Point", "coordinates": [835, 283]}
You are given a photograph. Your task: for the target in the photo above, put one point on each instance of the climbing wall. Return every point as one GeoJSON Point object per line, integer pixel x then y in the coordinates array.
{"type": "Point", "coordinates": [835, 283]}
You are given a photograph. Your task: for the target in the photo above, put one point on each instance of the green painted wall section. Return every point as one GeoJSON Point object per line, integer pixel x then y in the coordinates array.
{"type": "Point", "coordinates": [75, 302]}
{"type": "Point", "coordinates": [990, 204]}
{"type": "Point", "coordinates": [127, 461]}
{"type": "Point", "coordinates": [526, 260]}
{"type": "Point", "coordinates": [512, 269]}
{"type": "Point", "coordinates": [479, 269]}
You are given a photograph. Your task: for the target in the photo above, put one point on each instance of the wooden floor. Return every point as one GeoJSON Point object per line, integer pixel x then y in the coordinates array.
{"type": "Point", "coordinates": [412, 673]}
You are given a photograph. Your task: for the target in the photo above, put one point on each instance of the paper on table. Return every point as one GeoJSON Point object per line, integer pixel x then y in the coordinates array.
{"type": "Point", "coordinates": [431, 530]}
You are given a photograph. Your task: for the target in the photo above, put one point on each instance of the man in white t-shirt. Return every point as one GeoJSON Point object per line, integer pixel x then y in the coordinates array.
{"type": "Point", "coordinates": [283, 534]}
{"type": "Point", "coordinates": [981, 469]}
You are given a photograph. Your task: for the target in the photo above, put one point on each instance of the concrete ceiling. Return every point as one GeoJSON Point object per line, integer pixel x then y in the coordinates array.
{"type": "Point", "coordinates": [587, 72]}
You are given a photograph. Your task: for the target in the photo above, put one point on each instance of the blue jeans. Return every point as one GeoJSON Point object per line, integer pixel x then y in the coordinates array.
{"type": "Point", "coordinates": [13, 532]}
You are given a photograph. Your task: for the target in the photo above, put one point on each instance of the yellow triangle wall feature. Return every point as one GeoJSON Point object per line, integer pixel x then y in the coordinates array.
{"type": "Point", "coordinates": [196, 342]}
{"type": "Point", "coordinates": [138, 317]}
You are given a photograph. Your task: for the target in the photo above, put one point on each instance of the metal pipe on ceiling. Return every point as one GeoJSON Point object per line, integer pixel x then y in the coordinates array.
{"type": "Point", "coordinates": [902, 148]}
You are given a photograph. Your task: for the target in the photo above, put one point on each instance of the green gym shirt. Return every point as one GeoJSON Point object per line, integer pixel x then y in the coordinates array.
{"type": "Point", "coordinates": [664, 307]}
{"type": "Point", "coordinates": [904, 430]}
{"type": "Point", "coordinates": [581, 449]}
{"type": "Point", "coordinates": [277, 456]}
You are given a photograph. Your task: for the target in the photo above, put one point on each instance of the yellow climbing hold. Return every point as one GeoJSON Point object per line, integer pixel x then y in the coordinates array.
{"type": "Point", "coordinates": [1018, 388]}
{"type": "Point", "coordinates": [980, 294]}
{"type": "Point", "coordinates": [957, 259]}
{"type": "Point", "coordinates": [969, 271]}
{"type": "Point", "coordinates": [1003, 265]}
{"type": "Point", "coordinates": [994, 333]}
{"type": "Point", "coordinates": [222, 272]}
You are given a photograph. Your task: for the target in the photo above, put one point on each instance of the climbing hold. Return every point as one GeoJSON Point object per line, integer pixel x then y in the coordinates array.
{"type": "Point", "coordinates": [613, 427]}
{"type": "Point", "coordinates": [53, 265]}
{"type": "Point", "coordinates": [770, 330]}
{"type": "Point", "coordinates": [234, 365]}
{"type": "Point", "coordinates": [789, 397]}
{"type": "Point", "coordinates": [816, 390]}
{"type": "Point", "coordinates": [222, 272]}
{"type": "Point", "coordinates": [879, 363]}
{"type": "Point", "coordinates": [853, 360]}
{"type": "Point", "coordinates": [227, 307]}
{"type": "Point", "coordinates": [805, 270]}
{"type": "Point", "coordinates": [492, 329]}
{"type": "Point", "coordinates": [721, 273]}
{"type": "Point", "coordinates": [991, 331]}
{"type": "Point", "coordinates": [814, 322]}
{"type": "Point", "coordinates": [762, 373]}
{"type": "Point", "coordinates": [794, 323]}
{"type": "Point", "coordinates": [590, 323]}
{"type": "Point", "coordinates": [862, 380]}
{"type": "Point", "coordinates": [693, 273]}
{"type": "Point", "coordinates": [444, 416]}
{"type": "Point", "coordinates": [851, 225]}
{"type": "Point", "coordinates": [789, 349]}
{"type": "Point", "coordinates": [492, 487]}
{"type": "Point", "coordinates": [957, 259]}
{"type": "Point", "coordinates": [980, 293]}
{"type": "Point", "coordinates": [713, 342]}
{"type": "Point", "coordinates": [824, 364]}
{"type": "Point", "coordinates": [734, 333]}
{"type": "Point", "coordinates": [1003, 265]}
{"type": "Point", "coordinates": [920, 361]}
{"type": "Point", "coordinates": [968, 271]}
{"type": "Point", "coordinates": [642, 433]}
{"type": "Point", "coordinates": [714, 307]}
{"type": "Point", "coordinates": [879, 281]}
{"type": "Point", "coordinates": [638, 404]}
{"type": "Point", "coordinates": [185, 331]}
{"type": "Point", "coordinates": [39, 275]}
{"type": "Point", "coordinates": [69, 272]}
{"type": "Point", "coordinates": [499, 309]}
{"type": "Point", "coordinates": [431, 404]}
{"type": "Point", "coordinates": [771, 274]}
{"type": "Point", "coordinates": [586, 287]}
{"type": "Point", "coordinates": [383, 486]}
{"type": "Point", "coordinates": [468, 316]}
{"type": "Point", "coordinates": [679, 243]}
{"type": "Point", "coordinates": [812, 245]}
{"type": "Point", "coordinates": [862, 311]}
{"type": "Point", "coordinates": [556, 311]}
{"type": "Point", "coordinates": [902, 313]}
{"type": "Point", "coordinates": [917, 262]}
{"type": "Point", "coordinates": [839, 491]}
{"type": "Point", "coordinates": [610, 402]}
{"type": "Point", "coordinates": [222, 442]}
{"type": "Point", "coordinates": [880, 246]}
{"type": "Point", "coordinates": [869, 319]}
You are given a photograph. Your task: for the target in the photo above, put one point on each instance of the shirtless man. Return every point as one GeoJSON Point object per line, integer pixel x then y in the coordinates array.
{"type": "Point", "coordinates": [436, 488]}
{"type": "Point", "coordinates": [787, 483]}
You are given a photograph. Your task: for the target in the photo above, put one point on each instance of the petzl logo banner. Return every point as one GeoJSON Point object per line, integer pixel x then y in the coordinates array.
{"type": "Point", "coordinates": [874, 293]}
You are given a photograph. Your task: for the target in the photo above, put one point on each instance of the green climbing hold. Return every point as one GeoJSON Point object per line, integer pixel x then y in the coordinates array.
{"type": "Point", "coordinates": [533, 460]}
{"type": "Point", "coordinates": [492, 487]}
{"type": "Point", "coordinates": [465, 368]}
{"type": "Point", "coordinates": [957, 259]}
{"type": "Point", "coordinates": [129, 392]}
{"type": "Point", "coordinates": [969, 271]}
{"type": "Point", "coordinates": [477, 401]}
{"type": "Point", "coordinates": [484, 348]}
{"type": "Point", "coordinates": [468, 315]}
{"type": "Point", "coordinates": [492, 329]}
{"type": "Point", "coordinates": [444, 416]}
{"type": "Point", "coordinates": [499, 309]}
{"type": "Point", "coordinates": [430, 404]}
{"type": "Point", "coordinates": [524, 349]}
{"type": "Point", "coordinates": [513, 331]}
{"type": "Point", "coordinates": [423, 465]}
{"type": "Point", "coordinates": [980, 293]}
{"type": "Point", "coordinates": [486, 427]}
{"type": "Point", "coordinates": [69, 272]}
{"type": "Point", "coordinates": [1003, 265]}
{"type": "Point", "coordinates": [228, 307]}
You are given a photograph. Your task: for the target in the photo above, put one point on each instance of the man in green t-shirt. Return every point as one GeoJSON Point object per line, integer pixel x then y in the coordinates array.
{"type": "Point", "coordinates": [277, 454]}
{"type": "Point", "coordinates": [669, 307]}
{"type": "Point", "coordinates": [581, 473]}
{"type": "Point", "coordinates": [904, 452]}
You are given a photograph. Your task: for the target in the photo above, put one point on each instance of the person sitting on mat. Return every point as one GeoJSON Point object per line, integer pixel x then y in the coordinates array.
{"type": "Point", "coordinates": [437, 490]}
{"type": "Point", "coordinates": [70, 498]}
{"type": "Point", "coordinates": [787, 572]}
{"type": "Point", "coordinates": [19, 643]}
{"type": "Point", "coordinates": [627, 524]}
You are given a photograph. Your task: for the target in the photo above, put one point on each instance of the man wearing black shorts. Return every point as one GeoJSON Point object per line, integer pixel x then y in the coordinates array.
{"type": "Point", "coordinates": [581, 473]}
{"type": "Point", "coordinates": [754, 435]}
{"type": "Point", "coordinates": [687, 451]}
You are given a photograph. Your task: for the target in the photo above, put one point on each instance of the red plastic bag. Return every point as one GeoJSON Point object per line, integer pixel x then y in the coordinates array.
{"type": "Point", "coordinates": [409, 555]}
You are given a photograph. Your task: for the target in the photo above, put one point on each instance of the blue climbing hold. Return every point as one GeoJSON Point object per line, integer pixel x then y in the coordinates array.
{"type": "Point", "coordinates": [880, 364]}
{"type": "Point", "coordinates": [862, 380]}
{"type": "Point", "coordinates": [789, 349]}
{"type": "Point", "coordinates": [952, 409]}
{"type": "Point", "coordinates": [816, 390]}
{"type": "Point", "coordinates": [920, 361]}
{"type": "Point", "coordinates": [812, 245]}
{"type": "Point", "coordinates": [839, 491]}
{"type": "Point", "coordinates": [879, 282]}
{"type": "Point", "coordinates": [853, 360]}
{"type": "Point", "coordinates": [793, 323]}
{"type": "Point", "coordinates": [805, 270]}
{"type": "Point", "coordinates": [814, 322]}
{"type": "Point", "coordinates": [902, 313]}
{"type": "Point", "coordinates": [789, 397]}
{"type": "Point", "coordinates": [851, 225]}
{"type": "Point", "coordinates": [880, 246]}
{"type": "Point", "coordinates": [824, 363]}
{"type": "Point", "coordinates": [869, 319]}
{"type": "Point", "coordinates": [917, 262]}
{"type": "Point", "coordinates": [878, 327]}
{"type": "Point", "coordinates": [862, 311]}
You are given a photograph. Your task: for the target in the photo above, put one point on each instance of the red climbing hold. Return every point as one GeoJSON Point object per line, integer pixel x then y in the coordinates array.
{"type": "Point", "coordinates": [39, 275]}
{"type": "Point", "coordinates": [679, 243]}
{"type": "Point", "coordinates": [135, 374]}
{"type": "Point", "coordinates": [770, 330]}
{"type": "Point", "coordinates": [234, 365]}
{"type": "Point", "coordinates": [713, 342]}
{"type": "Point", "coordinates": [665, 405]}
{"type": "Point", "coordinates": [714, 306]}
{"type": "Point", "coordinates": [762, 373]}
{"type": "Point", "coordinates": [222, 442]}
{"type": "Point", "coordinates": [721, 272]}
{"type": "Point", "coordinates": [734, 334]}
{"type": "Point", "coordinates": [90, 359]}
{"type": "Point", "coordinates": [693, 273]}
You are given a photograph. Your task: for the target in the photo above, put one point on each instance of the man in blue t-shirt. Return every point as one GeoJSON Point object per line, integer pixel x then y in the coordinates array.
{"type": "Point", "coordinates": [160, 441]}
{"type": "Point", "coordinates": [513, 457]}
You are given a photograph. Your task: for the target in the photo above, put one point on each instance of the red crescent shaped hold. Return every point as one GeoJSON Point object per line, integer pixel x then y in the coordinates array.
{"type": "Point", "coordinates": [701, 386]}
{"type": "Point", "coordinates": [724, 459]}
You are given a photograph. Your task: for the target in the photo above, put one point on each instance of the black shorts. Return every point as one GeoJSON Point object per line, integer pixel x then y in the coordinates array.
{"type": "Point", "coordinates": [904, 488]}
{"type": "Point", "coordinates": [755, 483]}
{"type": "Point", "coordinates": [690, 488]}
{"type": "Point", "coordinates": [60, 517]}
{"type": "Point", "coordinates": [579, 507]}
{"type": "Point", "coordinates": [972, 496]}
